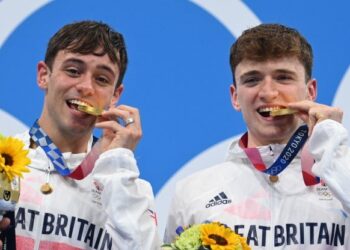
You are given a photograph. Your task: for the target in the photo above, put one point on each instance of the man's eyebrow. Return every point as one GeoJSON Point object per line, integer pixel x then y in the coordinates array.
{"type": "Point", "coordinates": [285, 71]}
{"type": "Point", "coordinates": [256, 72]}
{"type": "Point", "coordinates": [107, 68]}
{"type": "Point", "coordinates": [82, 63]}
{"type": "Point", "coordinates": [249, 73]}
{"type": "Point", "coordinates": [74, 60]}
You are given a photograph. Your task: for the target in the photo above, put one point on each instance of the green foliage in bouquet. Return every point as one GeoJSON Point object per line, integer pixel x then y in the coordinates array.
{"type": "Point", "coordinates": [207, 236]}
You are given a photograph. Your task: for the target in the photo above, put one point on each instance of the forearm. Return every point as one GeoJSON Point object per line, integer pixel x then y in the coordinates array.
{"type": "Point", "coordinates": [127, 200]}
{"type": "Point", "coordinates": [328, 145]}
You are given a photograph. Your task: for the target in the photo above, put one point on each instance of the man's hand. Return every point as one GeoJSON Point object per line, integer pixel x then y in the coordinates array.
{"type": "Point", "coordinates": [312, 113]}
{"type": "Point", "coordinates": [114, 134]}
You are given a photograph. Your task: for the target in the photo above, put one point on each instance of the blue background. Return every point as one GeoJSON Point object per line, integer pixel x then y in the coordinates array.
{"type": "Point", "coordinates": [178, 75]}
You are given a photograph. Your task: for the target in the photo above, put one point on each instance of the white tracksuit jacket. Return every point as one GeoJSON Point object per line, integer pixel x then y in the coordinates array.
{"type": "Point", "coordinates": [282, 215]}
{"type": "Point", "coordinates": [110, 209]}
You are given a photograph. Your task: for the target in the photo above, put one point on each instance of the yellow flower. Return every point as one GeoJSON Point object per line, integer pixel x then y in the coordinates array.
{"type": "Point", "coordinates": [13, 158]}
{"type": "Point", "coordinates": [219, 237]}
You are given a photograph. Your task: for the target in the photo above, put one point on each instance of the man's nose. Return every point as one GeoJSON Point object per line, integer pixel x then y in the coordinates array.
{"type": "Point", "coordinates": [86, 86]}
{"type": "Point", "coordinates": [268, 90]}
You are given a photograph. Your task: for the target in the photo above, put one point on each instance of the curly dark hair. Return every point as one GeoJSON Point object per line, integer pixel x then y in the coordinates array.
{"type": "Point", "coordinates": [85, 37]}
{"type": "Point", "coordinates": [271, 41]}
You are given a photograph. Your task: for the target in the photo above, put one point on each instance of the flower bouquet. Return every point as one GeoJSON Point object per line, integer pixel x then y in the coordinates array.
{"type": "Point", "coordinates": [13, 162]}
{"type": "Point", "coordinates": [207, 236]}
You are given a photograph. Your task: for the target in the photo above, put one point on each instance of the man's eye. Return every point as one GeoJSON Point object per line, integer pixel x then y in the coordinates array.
{"type": "Point", "coordinates": [73, 72]}
{"type": "Point", "coordinates": [251, 80]}
{"type": "Point", "coordinates": [103, 80]}
{"type": "Point", "coordinates": [284, 77]}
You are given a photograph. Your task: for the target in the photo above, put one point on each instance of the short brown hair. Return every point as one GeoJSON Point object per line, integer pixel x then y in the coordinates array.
{"type": "Point", "coordinates": [271, 41]}
{"type": "Point", "coordinates": [85, 37]}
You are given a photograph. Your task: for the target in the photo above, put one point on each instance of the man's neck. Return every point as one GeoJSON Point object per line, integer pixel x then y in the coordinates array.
{"type": "Point", "coordinates": [255, 141]}
{"type": "Point", "coordinates": [67, 141]}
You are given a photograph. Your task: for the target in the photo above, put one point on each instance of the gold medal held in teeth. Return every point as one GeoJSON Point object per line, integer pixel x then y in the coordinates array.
{"type": "Point", "coordinates": [90, 110]}
{"type": "Point", "coordinates": [279, 112]}
{"type": "Point", "coordinates": [46, 188]}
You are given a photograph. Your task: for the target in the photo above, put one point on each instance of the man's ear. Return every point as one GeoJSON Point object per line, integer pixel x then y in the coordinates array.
{"type": "Point", "coordinates": [312, 89]}
{"type": "Point", "coordinates": [42, 76]}
{"type": "Point", "coordinates": [116, 95]}
{"type": "Point", "coordinates": [234, 98]}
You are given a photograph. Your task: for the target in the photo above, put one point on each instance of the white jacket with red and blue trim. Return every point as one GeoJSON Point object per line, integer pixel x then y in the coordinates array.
{"type": "Point", "coordinates": [286, 214]}
{"type": "Point", "coordinates": [109, 209]}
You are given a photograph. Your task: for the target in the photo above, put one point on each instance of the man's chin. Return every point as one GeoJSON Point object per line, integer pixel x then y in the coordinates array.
{"type": "Point", "coordinates": [279, 136]}
{"type": "Point", "coordinates": [82, 126]}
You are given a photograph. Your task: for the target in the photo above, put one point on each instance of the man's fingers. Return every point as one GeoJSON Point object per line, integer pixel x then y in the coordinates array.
{"type": "Point", "coordinates": [129, 115]}
{"type": "Point", "coordinates": [313, 113]}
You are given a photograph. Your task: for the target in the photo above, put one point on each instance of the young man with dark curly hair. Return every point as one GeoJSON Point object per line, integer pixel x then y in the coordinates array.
{"type": "Point", "coordinates": [285, 184]}
{"type": "Point", "coordinates": [80, 194]}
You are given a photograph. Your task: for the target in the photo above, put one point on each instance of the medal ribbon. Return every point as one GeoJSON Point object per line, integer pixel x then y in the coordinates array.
{"type": "Point", "coordinates": [39, 136]}
{"type": "Point", "coordinates": [295, 143]}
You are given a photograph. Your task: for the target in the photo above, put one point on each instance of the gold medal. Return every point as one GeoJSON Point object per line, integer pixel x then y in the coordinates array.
{"type": "Point", "coordinates": [279, 112]}
{"type": "Point", "coordinates": [90, 110]}
{"type": "Point", "coordinates": [46, 188]}
{"type": "Point", "coordinates": [273, 178]}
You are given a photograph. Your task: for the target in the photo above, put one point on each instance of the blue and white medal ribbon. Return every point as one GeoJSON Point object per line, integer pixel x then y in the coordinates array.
{"type": "Point", "coordinates": [39, 136]}
{"type": "Point", "coordinates": [294, 145]}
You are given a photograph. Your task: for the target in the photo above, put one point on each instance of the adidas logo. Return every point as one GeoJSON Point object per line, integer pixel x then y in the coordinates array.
{"type": "Point", "coordinates": [219, 199]}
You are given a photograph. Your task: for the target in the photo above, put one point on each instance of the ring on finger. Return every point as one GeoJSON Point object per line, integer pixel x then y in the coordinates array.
{"type": "Point", "coordinates": [129, 121]}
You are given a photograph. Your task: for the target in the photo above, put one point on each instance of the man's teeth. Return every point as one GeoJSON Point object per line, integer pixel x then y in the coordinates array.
{"type": "Point", "coordinates": [269, 109]}
{"type": "Point", "coordinates": [266, 112]}
{"type": "Point", "coordinates": [79, 103]}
